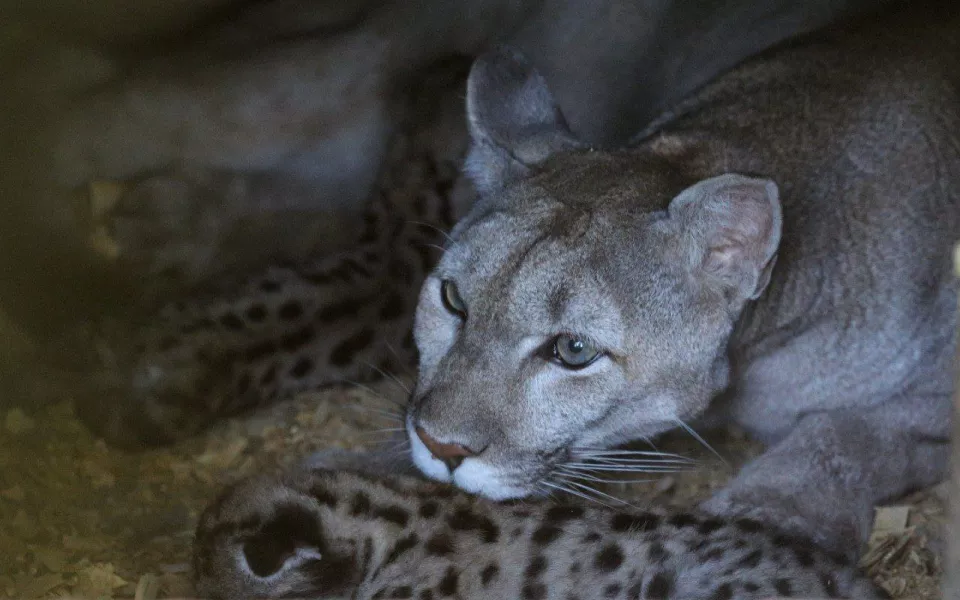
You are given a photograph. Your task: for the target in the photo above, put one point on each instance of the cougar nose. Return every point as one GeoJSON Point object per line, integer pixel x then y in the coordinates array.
{"type": "Point", "coordinates": [451, 454]}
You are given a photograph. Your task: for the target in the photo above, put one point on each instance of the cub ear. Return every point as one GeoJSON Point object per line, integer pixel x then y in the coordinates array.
{"type": "Point", "coordinates": [279, 543]}
{"type": "Point", "coordinates": [730, 230]}
{"type": "Point", "coordinates": [514, 121]}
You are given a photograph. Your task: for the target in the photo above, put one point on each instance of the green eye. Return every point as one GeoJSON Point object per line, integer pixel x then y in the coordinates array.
{"type": "Point", "coordinates": [573, 352]}
{"type": "Point", "coordinates": [451, 299]}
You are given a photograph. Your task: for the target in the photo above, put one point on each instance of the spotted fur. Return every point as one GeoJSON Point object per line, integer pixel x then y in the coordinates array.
{"type": "Point", "coordinates": [238, 344]}
{"type": "Point", "coordinates": [326, 534]}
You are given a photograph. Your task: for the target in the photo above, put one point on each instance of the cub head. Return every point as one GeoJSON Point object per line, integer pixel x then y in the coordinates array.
{"type": "Point", "coordinates": [585, 301]}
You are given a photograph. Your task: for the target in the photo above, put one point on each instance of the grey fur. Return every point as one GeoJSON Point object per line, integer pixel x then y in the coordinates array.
{"type": "Point", "coordinates": [842, 363]}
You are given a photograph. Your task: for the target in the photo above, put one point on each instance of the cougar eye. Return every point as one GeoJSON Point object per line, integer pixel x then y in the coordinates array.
{"type": "Point", "coordinates": [451, 299]}
{"type": "Point", "coordinates": [573, 352]}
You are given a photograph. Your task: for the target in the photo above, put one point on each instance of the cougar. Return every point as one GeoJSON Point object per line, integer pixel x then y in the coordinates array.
{"type": "Point", "coordinates": [774, 252]}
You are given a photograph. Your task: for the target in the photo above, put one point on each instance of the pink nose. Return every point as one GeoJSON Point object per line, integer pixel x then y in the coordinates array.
{"type": "Point", "coordinates": [451, 454]}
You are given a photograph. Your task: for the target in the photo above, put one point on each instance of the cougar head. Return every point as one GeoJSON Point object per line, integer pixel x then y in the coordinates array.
{"type": "Point", "coordinates": [585, 301]}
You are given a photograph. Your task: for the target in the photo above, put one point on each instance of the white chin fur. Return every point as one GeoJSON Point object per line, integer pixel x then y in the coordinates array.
{"type": "Point", "coordinates": [428, 465]}
{"type": "Point", "coordinates": [478, 478]}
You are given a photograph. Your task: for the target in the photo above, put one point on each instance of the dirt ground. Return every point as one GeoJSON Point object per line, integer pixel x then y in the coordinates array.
{"type": "Point", "coordinates": [80, 519]}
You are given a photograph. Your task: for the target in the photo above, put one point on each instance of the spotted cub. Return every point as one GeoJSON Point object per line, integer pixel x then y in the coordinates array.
{"type": "Point", "coordinates": [327, 534]}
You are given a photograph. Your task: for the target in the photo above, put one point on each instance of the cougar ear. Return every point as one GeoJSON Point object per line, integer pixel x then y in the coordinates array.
{"type": "Point", "coordinates": [514, 121]}
{"type": "Point", "coordinates": [730, 231]}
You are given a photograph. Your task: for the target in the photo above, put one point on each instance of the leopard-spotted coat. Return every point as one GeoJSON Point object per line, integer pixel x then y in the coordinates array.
{"type": "Point", "coordinates": [330, 534]}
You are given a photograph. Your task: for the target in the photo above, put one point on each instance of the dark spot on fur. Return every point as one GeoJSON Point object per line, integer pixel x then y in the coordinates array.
{"type": "Point", "coordinates": [408, 342]}
{"type": "Point", "coordinates": [609, 558]}
{"type": "Point", "coordinates": [344, 352]}
{"type": "Point", "coordinates": [427, 256]}
{"type": "Point", "coordinates": [682, 520]}
{"type": "Point", "coordinates": [437, 491]}
{"type": "Point", "coordinates": [426, 594]}
{"type": "Point", "coordinates": [660, 586]}
{"type": "Point", "coordinates": [204, 324]}
{"type": "Point", "coordinates": [269, 286]}
{"type": "Point", "coordinates": [748, 526]}
{"type": "Point", "coordinates": [751, 560]}
{"type": "Point", "coordinates": [750, 587]}
{"type": "Point", "coordinates": [783, 587]}
{"type": "Point", "coordinates": [232, 322]}
{"type": "Point", "coordinates": [420, 204]}
{"type": "Point", "coordinates": [657, 553]}
{"type": "Point", "coordinates": [804, 556]}
{"type": "Point", "coordinates": [560, 514]}
{"type": "Point", "coordinates": [709, 526]}
{"type": "Point", "coordinates": [723, 592]}
{"type": "Point", "coordinates": [352, 265]}
{"type": "Point", "coordinates": [714, 554]}
{"type": "Point", "coordinates": [317, 277]}
{"type": "Point", "coordinates": [448, 585]}
{"type": "Point", "coordinates": [463, 519]}
{"type": "Point", "coordinates": [379, 594]}
{"type": "Point", "coordinates": [345, 309]}
{"type": "Point", "coordinates": [546, 534]}
{"type": "Point", "coordinates": [488, 573]}
{"type": "Point", "coordinates": [257, 313]}
{"type": "Point", "coordinates": [269, 376]}
{"type": "Point", "coordinates": [298, 339]}
{"type": "Point", "coordinates": [575, 568]}
{"type": "Point", "coordinates": [622, 522]}
{"type": "Point", "coordinates": [402, 545]}
{"type": "Point", "coordinates": [392, 308]}
{"type": "Point", "coordinates": [428, 510]}
{"type": "Point", "coordinates": [534, 591]}
{"type": "Point", "coordinates": [323, 496]}
{"type": "Point", "coordinates": [440, 545]}
{"type": "Point", "coordinates": [537, 566]}
{"type": "Point", "coordinates": [404, 591]}
{"type": "Point", "coordinates": [612, 590]}
{"type": "Point", "coordinates": [829, 585]}
{"type": "Point", "coordinates": [395, 514]}
{"type": "Point", "coordinates": [387, 365]}
{"type": "Point", "coordinates": [360, 505]}
{"type": "Point", "coordinates": [592, 537]}
{"type": "Point", "coordinates": [243, 384]}
{"type": "Point", "coordinates": [401, 271]}
{"type": "Point", "coordinates": [168, 343]}
{"type": "Point", "coordinates": [260, 350]}
{"type": "Point", "coordinates": [303, 366]}
{"type": "Point", "coordinates": [290, 310]}
{"type": "Point", "coordinates": [636, 590]}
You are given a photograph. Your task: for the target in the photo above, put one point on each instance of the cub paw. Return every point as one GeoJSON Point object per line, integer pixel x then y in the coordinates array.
{"type": "Point", "coordinates": [163, 228]}
{"type": "Point", "coordinates": [158, 389]}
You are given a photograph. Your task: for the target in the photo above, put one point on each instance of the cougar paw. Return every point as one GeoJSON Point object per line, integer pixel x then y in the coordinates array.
{"type": "Point", "coordinates": [835, 532]}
